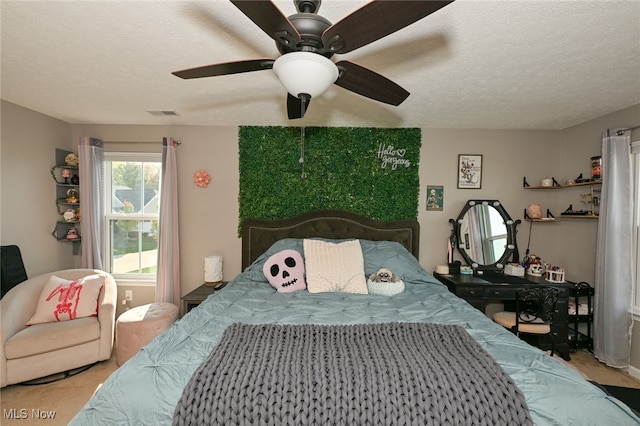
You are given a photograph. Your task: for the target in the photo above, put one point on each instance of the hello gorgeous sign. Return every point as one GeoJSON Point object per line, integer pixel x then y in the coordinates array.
{"type": "Point", "coordinates": [391, 156]}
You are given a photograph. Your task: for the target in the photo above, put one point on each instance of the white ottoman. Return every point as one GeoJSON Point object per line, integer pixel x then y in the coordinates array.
{"type": "Point", "coordinates": [137, 327]}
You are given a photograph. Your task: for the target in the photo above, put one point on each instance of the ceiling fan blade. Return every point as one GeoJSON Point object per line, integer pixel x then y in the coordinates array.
{"type": "Point", "coordinates": [376, 20]}
{"type": "Point", "coordinates": [225, 68]}
{"type": "Point", "coordinates": [369, 84]}
{"type": "Point", "coordinates": [296, 107]}
{"type": "Point", "coordinates": [270, 19]}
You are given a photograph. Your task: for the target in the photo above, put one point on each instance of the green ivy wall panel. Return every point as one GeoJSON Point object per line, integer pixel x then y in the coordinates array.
{"type": "Point", "coordinates": [370, 171]}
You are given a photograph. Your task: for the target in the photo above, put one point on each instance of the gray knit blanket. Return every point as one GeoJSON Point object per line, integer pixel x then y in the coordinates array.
{"type": "Point", "coordinates": [369, 374]}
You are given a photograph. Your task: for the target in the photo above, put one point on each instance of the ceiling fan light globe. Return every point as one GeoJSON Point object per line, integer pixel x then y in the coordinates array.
{"type": "Point", "coordinates": [305, 72]}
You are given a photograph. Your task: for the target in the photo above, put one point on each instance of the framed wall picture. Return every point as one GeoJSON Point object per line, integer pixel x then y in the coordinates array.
{"type": "Point", "coordinates": [469, 171]}
{"type": "Point", "coordinates": [435, 198]}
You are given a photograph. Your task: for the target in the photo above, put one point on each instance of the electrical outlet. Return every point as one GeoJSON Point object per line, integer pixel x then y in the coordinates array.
{"type": "Point", "coordinates": [128, 295]}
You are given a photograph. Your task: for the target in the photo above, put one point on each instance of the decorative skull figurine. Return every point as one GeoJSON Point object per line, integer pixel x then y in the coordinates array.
{"type": "Point", "coordinates": [69, 215]}
{"type": "Point", "coordinates": [71, 159]}
{"type": "Point", "coordinates": [72, 233]}
{"type": "Point", "coordinates": [285, 271]}
{"type": "Point", "coordinates": [536, 269]}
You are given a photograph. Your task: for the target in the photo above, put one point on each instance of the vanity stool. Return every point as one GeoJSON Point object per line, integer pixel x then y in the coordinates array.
{"type": "Point", "coordinates": [137, 327]}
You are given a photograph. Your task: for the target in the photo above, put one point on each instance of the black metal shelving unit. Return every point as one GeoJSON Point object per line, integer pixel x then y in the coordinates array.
{"type": "Point", "coordinates": [581, 294]}
{"type": "Point", "coordinates": [63, 185]}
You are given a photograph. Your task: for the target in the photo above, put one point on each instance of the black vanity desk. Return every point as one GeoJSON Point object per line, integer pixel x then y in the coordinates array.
{"type": "Point", "coordinates": [480, 290]}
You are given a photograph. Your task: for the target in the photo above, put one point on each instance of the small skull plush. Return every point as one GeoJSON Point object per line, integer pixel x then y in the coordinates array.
{"type": "Point", "coordinates": [384, 275]}
{"type": "Point", "coordinates": [285, 271]}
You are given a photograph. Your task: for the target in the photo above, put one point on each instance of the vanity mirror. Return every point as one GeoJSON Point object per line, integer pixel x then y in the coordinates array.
{"type": "Point", "coordinates": [485, 235]}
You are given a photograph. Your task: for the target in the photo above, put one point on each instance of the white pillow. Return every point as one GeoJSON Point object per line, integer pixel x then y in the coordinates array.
{"type": "Point", "coordinates": [334, 267]}
{"type": "Point", "coordinates": [63, 300]}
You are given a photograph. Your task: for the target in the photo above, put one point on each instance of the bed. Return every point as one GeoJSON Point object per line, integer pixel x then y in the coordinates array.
{"type": "Point", "coordinates": [256, 334]}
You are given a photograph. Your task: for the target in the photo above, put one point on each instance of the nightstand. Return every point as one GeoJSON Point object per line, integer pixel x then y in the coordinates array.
{"type": "Point", "coordinates": [197, 296]}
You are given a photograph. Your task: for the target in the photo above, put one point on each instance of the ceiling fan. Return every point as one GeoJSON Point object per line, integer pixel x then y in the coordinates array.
{"type": "Point", "coordinates": [307, 41]}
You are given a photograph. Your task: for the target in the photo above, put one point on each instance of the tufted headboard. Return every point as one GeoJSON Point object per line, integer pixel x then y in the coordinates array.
{"type": "Point", "coordinates": [259, 234]}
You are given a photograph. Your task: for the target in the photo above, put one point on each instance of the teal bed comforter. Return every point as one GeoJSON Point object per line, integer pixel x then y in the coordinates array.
{"type": "Point", "coordinates": [146, 389]}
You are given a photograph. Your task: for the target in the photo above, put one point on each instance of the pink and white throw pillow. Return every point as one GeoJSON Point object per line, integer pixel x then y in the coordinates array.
{"type": "Point", "coordinates": [63, 300]}
{"type": "Point", "coordinates": [285, 271]}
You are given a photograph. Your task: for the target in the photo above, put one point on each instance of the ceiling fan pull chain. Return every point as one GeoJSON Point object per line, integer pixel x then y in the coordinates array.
{"type": "Point", "coordinates": [301, 160]}
{"type": "Point", "coordinates": [303, 106]}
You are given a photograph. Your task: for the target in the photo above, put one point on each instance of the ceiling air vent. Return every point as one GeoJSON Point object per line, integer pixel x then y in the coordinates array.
{"type": "Point", "coordinates": [162, 113]}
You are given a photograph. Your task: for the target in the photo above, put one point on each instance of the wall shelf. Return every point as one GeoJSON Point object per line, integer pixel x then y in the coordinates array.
{"type": "Point", "coordinates": [593, 202]}
{"type": "Point", "coordinates": [590, 183]}
{"type": "Point", "coordinates": [556, 185]}
{"type": "Point", "coordinates": [66, 179]}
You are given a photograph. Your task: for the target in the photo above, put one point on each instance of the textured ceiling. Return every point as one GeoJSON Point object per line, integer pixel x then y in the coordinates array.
{"type": "Point", "coordinates": [535, 64]}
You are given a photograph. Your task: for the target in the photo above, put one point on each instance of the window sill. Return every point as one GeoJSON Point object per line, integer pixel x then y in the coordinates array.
{"type": "Point", "coordinates": [128, 282]}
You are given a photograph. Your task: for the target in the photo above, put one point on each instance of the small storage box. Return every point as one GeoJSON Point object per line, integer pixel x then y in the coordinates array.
{"type": "Point", "coordinates": [514, 270]}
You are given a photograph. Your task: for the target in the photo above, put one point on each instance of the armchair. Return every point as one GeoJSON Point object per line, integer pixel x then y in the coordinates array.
{"type": "Point", "coordinates": [30, 352]}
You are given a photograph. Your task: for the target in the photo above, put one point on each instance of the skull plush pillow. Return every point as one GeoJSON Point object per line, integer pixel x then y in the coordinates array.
{"type": "Point", "coordinates": [285, 271]}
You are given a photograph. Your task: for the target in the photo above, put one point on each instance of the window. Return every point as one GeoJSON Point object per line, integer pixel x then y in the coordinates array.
{"type": "Point", "coordinates": [132, 206]}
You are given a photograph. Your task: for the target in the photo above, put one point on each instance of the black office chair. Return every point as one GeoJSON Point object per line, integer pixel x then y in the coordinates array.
{"type": "Point", "coordinates": [535, 307]}
{"type": "Point", "coordinates": [11, 268]}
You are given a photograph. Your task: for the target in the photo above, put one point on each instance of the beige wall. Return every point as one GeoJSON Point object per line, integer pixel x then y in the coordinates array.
{"type": "Point", "coordinates": [578, 247]}
{"type": "Point", "coordinates": [505, 163]}
{"type": "Point", "coordinates": [209, 217]}
{"type": "Point", "coordinates": [28, 211]}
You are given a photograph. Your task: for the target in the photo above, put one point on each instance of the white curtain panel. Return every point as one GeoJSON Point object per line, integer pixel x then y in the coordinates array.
{"type": "Point", "coordinates": [613, 319]}
{"type": "Point", "coordinates": [91, 170]}
{"type": "Point", "coordinates": [168, 279]}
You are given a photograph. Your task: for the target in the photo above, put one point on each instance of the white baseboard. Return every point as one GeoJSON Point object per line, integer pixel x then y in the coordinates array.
{"type": "Point", "coordinates": [633, 371]}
